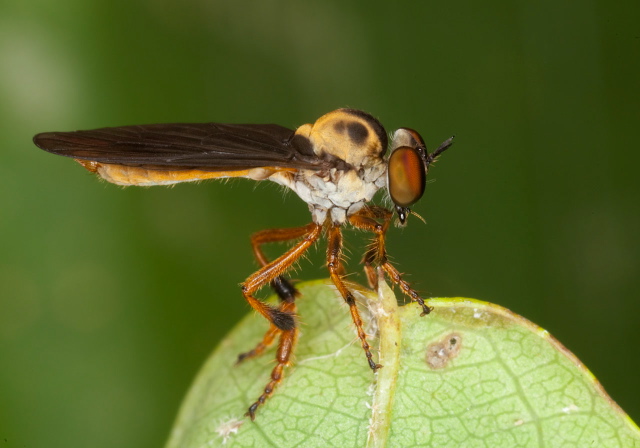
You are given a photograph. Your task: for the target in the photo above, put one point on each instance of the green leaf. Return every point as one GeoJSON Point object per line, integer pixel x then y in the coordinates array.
{"type": "Point", "coordinates": [470, 374]}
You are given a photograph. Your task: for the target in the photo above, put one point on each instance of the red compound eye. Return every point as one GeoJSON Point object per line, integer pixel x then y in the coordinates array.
{"type": "Point", "coordinates": [407, 175]}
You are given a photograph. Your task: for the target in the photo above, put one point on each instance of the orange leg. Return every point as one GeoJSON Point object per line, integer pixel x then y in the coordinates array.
{"type": "Point", "coordinates": [366, 220]}
{"type": "Point", "coordinates": [282, 318]}
{"type": "Point", "coordinates": [282, 286]}
{"type": "Point", "coordinates": [334, 263]}
{"type": "Point", "coordinates": [267, 341]}
{"type": "Point", "coordinates": [285, 290]}
{"type": "Point", "coordinates": [377, 253]}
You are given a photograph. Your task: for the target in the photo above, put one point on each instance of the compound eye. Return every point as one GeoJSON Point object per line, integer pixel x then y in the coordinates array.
{"type": "Point", "coordinates": [407, 176]}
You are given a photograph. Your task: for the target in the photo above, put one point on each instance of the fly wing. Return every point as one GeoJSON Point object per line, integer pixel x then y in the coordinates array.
{"type": "Point", "coordinates": [202, 146]}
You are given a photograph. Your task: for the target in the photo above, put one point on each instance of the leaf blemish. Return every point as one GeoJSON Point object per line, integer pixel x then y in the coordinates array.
{"type": "Point", "coordinates": [227, 428]}
{"type": "Point", "coordinates": [571, 408]}
{"type": "Point", "coordinates": [439, 353]}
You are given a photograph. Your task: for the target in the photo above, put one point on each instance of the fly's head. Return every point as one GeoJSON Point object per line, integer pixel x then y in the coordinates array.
{"type": "Point", "coordinates": [407, 169]}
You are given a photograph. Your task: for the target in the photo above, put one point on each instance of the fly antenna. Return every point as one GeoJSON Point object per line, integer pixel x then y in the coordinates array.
{"type": "Point", "coordinates": [442, 148]}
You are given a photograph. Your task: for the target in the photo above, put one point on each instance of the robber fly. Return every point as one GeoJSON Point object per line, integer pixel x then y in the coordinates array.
{"type": "Point", "coordinates": [335, 165]}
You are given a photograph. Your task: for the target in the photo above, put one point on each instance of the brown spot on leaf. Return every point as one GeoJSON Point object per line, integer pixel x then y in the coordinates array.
{"type": "Point", "coordinates": [441, 352]}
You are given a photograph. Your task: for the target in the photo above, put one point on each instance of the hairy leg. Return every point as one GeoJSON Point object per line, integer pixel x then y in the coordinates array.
{"type": "Point", "coordinates": [286, 292]}
{"type": "Point", "coordinates": [366, 219]}
{"type": "Point", "coordinates": [334, 263]}
{"type": "Point", "coordinates": [283, 318]}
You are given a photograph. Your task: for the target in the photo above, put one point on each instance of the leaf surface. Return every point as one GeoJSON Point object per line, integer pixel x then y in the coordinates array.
{"type": "Point", "coordinates": [470, 374]}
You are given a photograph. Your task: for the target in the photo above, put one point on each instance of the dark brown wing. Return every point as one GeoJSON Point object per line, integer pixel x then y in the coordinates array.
{"type": "Point", "coordinates": [203, 146]}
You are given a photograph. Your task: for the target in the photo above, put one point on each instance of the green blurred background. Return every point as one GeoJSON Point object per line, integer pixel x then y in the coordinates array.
{"type": "Point", "coordinates": [111, 298]}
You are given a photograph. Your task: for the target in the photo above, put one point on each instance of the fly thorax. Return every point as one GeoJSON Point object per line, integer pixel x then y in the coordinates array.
{"type": "Point", "coordinates": [354, 144]}
{"type": "Point", "coordinates": [335, 193]}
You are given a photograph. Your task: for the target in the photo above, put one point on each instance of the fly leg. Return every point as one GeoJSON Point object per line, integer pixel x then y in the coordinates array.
{"type": "Point", "coordinates": [282, 318]}
{"type": "Point", "coordinates": [286, 292]}
{"type": "Point", "coordinates": [366, 219]}
{"type": "Point", "coordinates": [334, 263]}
